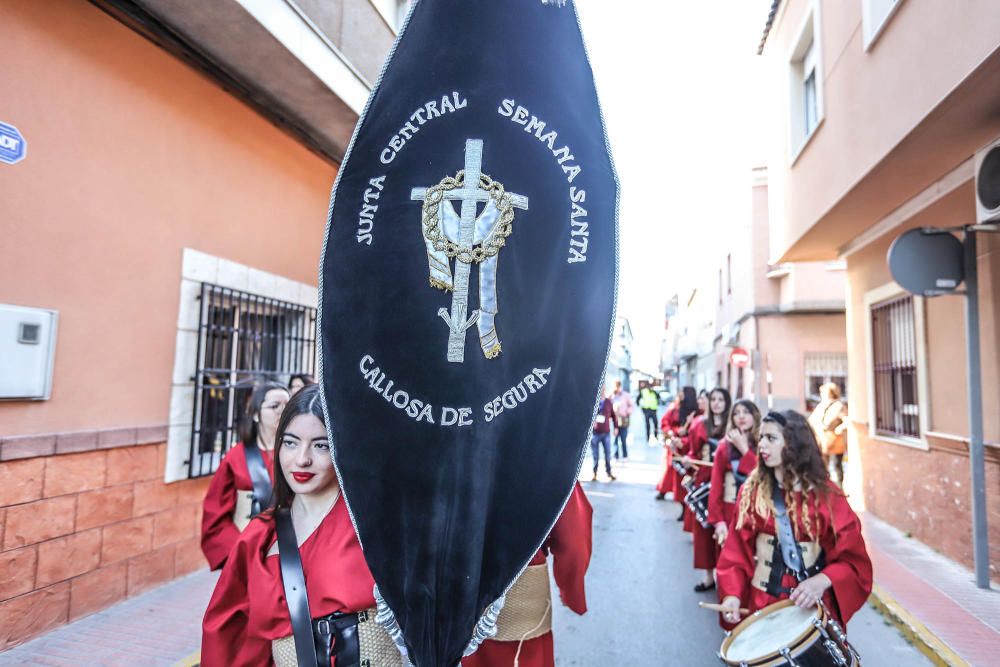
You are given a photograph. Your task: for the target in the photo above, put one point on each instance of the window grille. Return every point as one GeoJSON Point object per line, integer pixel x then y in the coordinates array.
{"type": "Point", "coordinates": [894, 352]}
{"type": "Point", "coordinates": [243, 338]}
{"type": "Point", "coordinates": [821, 368]}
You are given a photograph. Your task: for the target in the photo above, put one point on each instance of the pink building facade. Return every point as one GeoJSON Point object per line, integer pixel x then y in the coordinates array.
{"type": "Point", "coordinates": [882, 107]}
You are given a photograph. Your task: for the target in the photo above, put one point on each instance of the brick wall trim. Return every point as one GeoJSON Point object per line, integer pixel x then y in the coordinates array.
{"type": "Point", "coordinates": [15, 447]}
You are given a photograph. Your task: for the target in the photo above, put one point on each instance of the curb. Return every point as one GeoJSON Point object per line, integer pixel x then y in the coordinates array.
{"type": "Point", "coordinates": [914, 631]}
{"type": "Point", "coordinates": [192, 660]}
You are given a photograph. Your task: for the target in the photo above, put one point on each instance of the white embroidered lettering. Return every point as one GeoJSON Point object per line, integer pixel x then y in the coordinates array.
{"type": "Point", "coordinates": [449, 416]}
{"type": "Point", "coordinates": [429, 110]}
{"type": "Point", "coordinates": [517, 394]}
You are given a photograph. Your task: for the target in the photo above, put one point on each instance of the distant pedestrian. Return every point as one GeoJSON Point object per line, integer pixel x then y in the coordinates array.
{"type": "Point", "coordinates": [299, 381]}
{"type": "Point", "coordinates": [829, 423]}
{"type": "Point", "coordinates": [649, 402]}
{"type": "Point", "coordinates": [623, 410]}
{"type": "Point", "coordinates": [601, 437]}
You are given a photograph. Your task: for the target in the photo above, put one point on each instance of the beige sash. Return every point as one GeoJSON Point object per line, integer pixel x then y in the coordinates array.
{"type": "Point", "coordinates": [244, 506]}
{"type": "Point", "coordinates": [376, 647]}
{"type": "Point", "coordinates": [527, 613]}
{"type": "Point", "coordinates": [765, 550]}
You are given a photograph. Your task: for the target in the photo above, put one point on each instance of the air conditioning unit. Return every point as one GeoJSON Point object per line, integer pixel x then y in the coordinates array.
{"type": "Point", "coordinates": [27, 352]}
{"type": "Point", "coordinates": [988, 183]}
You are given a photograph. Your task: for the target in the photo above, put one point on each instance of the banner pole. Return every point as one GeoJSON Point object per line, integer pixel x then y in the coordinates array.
{"type": "Point", "coordinates": [980, 534]}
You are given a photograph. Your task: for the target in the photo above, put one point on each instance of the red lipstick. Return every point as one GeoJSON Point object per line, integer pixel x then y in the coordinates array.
{"type": "Point", "coordinates": [303, 477]}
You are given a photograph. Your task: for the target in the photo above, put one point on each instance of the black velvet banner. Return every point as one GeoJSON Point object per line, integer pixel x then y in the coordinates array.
{"type": "Point", "coordinates": [466, 320]}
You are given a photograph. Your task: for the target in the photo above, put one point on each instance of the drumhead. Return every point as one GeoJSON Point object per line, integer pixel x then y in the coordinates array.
{"type": "Point", "coordinates": [771, 631]}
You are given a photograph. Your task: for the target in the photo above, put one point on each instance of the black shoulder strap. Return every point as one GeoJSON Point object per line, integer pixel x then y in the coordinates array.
{"type": "Point", "coordinates": [790, 550]}
{"type": "Point", "coordinates": [294, 583]}
{"type": "Point", "coordinates": [259, 476]}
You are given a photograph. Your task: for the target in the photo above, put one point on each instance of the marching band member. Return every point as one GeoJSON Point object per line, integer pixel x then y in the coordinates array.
{"type": "Point", "coordinates": [298, 382]}
{"type": "Point", "coordinates": [248, 621]}
{"type": "Point", "coordinates": [675, 423]}
{"type": "Point", "coordinates": [735, 459]}
{"type": "Point", "coordinates": [241, 487]}
{"type": "Point", "coordinates": [790, 493]}
{"type": "Point", "coordinates": [524, 628]}
{"type": "Point", "coordinates": [701, 441]}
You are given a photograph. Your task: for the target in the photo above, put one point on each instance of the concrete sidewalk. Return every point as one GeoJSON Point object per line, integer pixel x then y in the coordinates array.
{"type": "Point", "coordinates": [933, 600]}
{"type": "Point", "coordinates": [160, 628]}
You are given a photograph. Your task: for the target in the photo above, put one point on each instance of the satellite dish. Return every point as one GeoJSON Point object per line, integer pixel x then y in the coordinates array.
{"type": "Point", "coordinates": [927, 263]}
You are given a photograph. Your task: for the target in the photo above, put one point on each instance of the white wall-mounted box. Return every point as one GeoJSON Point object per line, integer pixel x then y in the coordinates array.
{"type": "Point", "coordinates": [27, 352]}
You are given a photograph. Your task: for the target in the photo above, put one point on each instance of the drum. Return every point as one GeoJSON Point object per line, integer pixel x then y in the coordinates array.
{"type": "Point", "coordinates": [697, 502]}
{"type": "Point", "coordinates": [783, 634]}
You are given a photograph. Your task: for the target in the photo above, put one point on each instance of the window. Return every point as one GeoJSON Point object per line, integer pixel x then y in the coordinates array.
{"type": "Point", "coordinates": [821, 368]}
{"type": "Point", "coordinates": [875, 15]}
{"type": "Point", "coordinates": [805, 84]}
{"type": "Point", "coordinates": [894, 357]}
{"type": "Point", "coordinates": [242, 338]}
{"type": "Point", "coordinates": [809, 113]}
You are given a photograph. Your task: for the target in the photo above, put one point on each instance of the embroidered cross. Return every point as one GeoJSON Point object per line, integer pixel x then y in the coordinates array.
{"type": "Point", "coordinates": [470, 230]}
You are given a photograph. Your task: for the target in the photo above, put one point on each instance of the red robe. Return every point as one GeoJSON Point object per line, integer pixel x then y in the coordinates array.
{"type": "Point", "coordinates": [218, 532]}
{"type": "Point", "coordinates": [720, 508]}
{"type": "Point", "coordinates": [706, 550]}
{"type": "Point", "coordinates": [671, 482]}
{"type": "Point", "coordinates": [839, 536]}
{"type": "Point", "coordinates": [569, 543]}
{"type": "Point", "coordinates": [248, 607]}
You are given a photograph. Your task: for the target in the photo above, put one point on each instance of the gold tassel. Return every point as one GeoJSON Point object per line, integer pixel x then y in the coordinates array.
{"type": "Point", "coordinates": [441, 285]}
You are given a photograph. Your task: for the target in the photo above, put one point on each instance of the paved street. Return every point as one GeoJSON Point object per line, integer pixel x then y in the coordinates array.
{"type": "Point", "coordinates": [642, 609]}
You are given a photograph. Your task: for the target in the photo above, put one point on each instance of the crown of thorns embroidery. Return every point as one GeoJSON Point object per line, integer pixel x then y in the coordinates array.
{"type": "Point", "coordinates": [491, 245]}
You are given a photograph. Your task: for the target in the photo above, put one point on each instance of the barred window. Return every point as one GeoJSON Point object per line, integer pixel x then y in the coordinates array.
{"type": "Point", "coordinates": [894, 353]}
{"type": "Point", "coordinates": [243, 338]}
{"type": "Point", "coordinates": [821, 368]}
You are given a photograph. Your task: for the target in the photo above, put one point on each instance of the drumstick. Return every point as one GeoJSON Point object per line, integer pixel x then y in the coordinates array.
{"type": "Point", "coordinates": [719, 608]}
{"type": "Point", "coordinates": [694, 462]}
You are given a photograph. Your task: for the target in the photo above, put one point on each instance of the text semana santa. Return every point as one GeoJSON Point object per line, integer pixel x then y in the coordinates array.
{"type": "Point", "coordinates": [420, 410]}
{"type": "Point", "coordinates": [579, 226]}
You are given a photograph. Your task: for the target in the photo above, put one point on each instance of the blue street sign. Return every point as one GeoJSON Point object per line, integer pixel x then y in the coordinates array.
{"type": "Point", "coordinates": [13, 147]}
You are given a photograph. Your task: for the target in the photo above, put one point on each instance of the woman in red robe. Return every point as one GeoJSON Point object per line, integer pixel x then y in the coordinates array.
{"type": "Point", "coordinates": [838, 570]}
{"type": "Point", "coordinates": [247, 623]}
{"type": "Point", "coordinates": [675, 423]}
{"type": "Point", "coordinates": [530, 634]}
{"type": "Point", "coordinates": [232, 485]}
{"type": "Point", "coordinates": [702, 440]}
{"type": "Point", "coordinates": [735, 459]}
